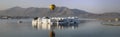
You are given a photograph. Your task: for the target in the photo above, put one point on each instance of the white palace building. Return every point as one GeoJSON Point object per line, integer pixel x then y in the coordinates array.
{"type": "Point", "coordinates": [59, 22]}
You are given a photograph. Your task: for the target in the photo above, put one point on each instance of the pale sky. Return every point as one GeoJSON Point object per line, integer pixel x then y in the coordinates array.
{"type": "Point", "coordinates": [94, 6]}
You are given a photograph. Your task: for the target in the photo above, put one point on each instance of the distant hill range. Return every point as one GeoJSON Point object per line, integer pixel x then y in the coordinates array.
{"type": "Point", "coordinates": [59, 11]}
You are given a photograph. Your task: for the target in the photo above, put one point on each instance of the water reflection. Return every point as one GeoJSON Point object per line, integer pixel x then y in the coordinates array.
{"type": "Point", "coordinates": [52, 33]}
{"type": "Point", "coordinates": [51, 28]}
{"type": "Point", "coordinates": [60, 25]}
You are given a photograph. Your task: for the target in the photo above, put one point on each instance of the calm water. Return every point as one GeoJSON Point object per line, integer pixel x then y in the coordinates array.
{"type": "Point", "coordinates": [93, 28]}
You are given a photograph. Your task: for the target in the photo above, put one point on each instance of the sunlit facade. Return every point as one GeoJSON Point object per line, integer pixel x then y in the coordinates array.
{"type": "Point", "coordinates": [55, 22]}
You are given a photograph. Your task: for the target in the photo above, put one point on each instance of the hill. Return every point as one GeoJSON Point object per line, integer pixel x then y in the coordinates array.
{"type": "Point", "coordinates": [40, 12]}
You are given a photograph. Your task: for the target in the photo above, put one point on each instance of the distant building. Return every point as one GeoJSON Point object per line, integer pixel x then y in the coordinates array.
{"type": "Point", "coordinates": [116, 19]}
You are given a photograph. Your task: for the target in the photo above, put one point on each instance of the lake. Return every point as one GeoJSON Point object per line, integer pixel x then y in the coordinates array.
{"type": "Point", "coordinates": [91, 28]}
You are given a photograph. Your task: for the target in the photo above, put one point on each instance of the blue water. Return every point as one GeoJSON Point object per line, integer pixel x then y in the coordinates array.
{"type": "Point", "coordinates": [93, 28]}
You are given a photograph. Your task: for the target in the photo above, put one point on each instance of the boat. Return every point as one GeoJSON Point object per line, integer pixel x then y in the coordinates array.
{"type": "Point", "coordinates": [20, 21]}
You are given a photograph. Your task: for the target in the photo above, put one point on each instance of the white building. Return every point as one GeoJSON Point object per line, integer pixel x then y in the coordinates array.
{"type": "Point", "coordinates": [48, 23]}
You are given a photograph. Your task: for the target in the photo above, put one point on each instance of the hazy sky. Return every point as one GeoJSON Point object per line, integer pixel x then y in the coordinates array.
{"type": "Point", "coordinates": [94, 6]}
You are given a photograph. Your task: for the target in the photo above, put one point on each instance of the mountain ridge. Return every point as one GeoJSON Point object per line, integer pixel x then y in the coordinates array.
{"type": "Point", "coordinates": [59, 11]}
{"type": "Point", "coordinates": [34, 11]}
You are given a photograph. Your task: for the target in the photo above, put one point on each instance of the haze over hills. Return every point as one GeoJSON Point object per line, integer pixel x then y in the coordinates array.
{"type": "Point", "coordinates": [33, 11]}
{"type": "Point", "coordinates": [109, 15]}
{"type": "Point", "coordinates": [59, 11]}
